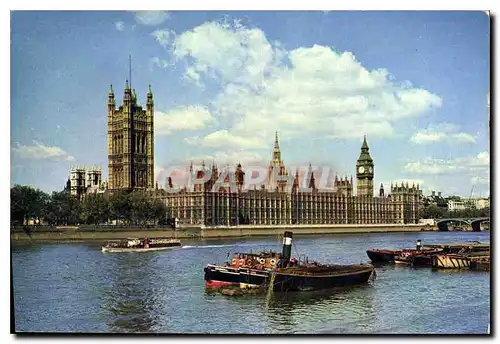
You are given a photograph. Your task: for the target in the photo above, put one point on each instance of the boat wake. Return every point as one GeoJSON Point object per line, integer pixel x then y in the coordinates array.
{"type": "Point", "coordinates": [215, 246]}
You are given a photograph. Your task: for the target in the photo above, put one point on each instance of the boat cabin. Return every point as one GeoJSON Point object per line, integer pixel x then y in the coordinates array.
{"type": "Point", "coordinates": [143, 243]}
{"type": "Point", "coordinates": [263, 260]}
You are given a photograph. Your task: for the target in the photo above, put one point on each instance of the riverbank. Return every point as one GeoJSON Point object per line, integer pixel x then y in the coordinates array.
{"type": "Point", "coordinates": [88, 233]}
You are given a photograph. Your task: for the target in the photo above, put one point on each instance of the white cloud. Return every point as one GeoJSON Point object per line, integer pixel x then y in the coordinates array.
{"type": "Point", "coordinates": [163, 36]}
{"type": "Point", "coordinates": [301, 92]}
{"type": "Point", "coordinates": [182, 118]}
{"type": "Point", "coordinates": [446, 132]}
{"type": "Point", "coordinates": [193, 140]}
{"type": "Point", "coordinates": [480, 180]}
{"type": "Point", "coordinates": [246, 158]}
{"type": "Point", "coordinates": [472, 164]}
{"type": "Point", "coordinates": [151, 18]}
{"type": "Point", "coordinates": [223, 138]}
{"type": "Point", "coordinates": [120, 26]}
{"type": "Point", "coordinates": [41, 152]}
{"type": "Point", "coordinates": [156, 61]}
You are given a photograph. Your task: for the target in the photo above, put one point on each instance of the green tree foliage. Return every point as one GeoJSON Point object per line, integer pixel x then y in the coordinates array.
{"type": "Point", "coordinates": [140, 207]}
{"type": "Point", "coordinates": [26, 203]}
{"type": "Point", "coordinates": [159, 212]}
{"type": "Point", "coordinates": [120, 207]}
{"type": "Point", "coordinates": [95, 209]}
{"type": "Point", "coordinates": [435, 212]}
{"type": "Point", "coordinates": [60, 208]}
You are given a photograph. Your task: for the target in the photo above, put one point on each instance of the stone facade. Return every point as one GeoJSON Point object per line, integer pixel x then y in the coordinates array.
{"type": "Point", "coordinates": [223, 199]}
{"type": "Point", "coordinates": [130, 142]}
{"type": "Point", "coordinates": [85, 180]}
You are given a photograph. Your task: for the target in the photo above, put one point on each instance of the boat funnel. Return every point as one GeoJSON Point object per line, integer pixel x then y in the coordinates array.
{"type": "Point", "coordinates": [287, 248]}
{"type": "Point", "coordinates": [419, 245]}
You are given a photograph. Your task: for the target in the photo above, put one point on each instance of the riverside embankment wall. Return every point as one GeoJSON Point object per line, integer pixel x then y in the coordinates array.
{"type": "Point", "coordinates": [97, 233]}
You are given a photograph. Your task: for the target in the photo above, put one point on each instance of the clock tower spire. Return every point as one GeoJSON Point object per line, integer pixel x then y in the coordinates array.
{"type": "Point", "coordinates": [364, 171]}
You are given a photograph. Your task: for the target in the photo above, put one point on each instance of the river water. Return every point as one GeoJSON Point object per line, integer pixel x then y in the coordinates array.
{"type": "Point", "coordinates": [74, 287]}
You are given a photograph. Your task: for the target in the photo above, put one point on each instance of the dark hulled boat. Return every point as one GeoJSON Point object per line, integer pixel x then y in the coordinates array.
{"type": "Point", "coordinates": [315, 277]}
{"type": "Point", "coordinates": [382, 256]}
{"type": "Point", "coordinates": [422, 260]}
{"type": "Point", "coordinates": [422, 255]}
{"type": "Point", "coordinates": [393, 256]}
{"type": "Point", "coordinates": [481, 264]}
{"type": "Point", "coordinates": [284, 274]}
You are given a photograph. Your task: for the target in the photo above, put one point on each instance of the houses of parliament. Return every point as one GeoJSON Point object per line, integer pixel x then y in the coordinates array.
{"type": "Point", "coordinates": [214, 197]}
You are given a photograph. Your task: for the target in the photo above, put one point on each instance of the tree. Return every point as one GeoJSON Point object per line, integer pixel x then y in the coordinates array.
{"type": "Point", "coordinates": [26, 203]}
{"type": "Point", "coordinates": [62, 209]}
{"type": "Point", "coordinates": [140, 207]}
{"type": "Point", "coordinates": [159, 212]}
{"type": "Point", "coordinates": [120, 206]}
{"type": "Point", "coordinates": [94, 209]}
{"type": "Point", "coordinates": [433, 212]}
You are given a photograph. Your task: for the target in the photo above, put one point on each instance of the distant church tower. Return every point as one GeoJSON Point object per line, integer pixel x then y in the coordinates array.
{"type": "Point", "coordinates": [364, 172]}
{"type": "Point", "coordinates": [130, 142]}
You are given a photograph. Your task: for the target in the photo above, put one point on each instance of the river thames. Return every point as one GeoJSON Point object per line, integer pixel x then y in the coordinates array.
{"type": "Point", "coordinates": [74, 287]}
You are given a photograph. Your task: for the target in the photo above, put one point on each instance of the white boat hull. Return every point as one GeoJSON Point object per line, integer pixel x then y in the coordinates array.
{"type": "Point", "coordinates": [131, 249]}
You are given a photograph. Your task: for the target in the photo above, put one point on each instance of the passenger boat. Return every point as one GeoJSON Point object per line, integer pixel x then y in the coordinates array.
{"type": "Point", "coordinates": [140, 245]}
{"type": "Point", "coordinates": [280, 272]}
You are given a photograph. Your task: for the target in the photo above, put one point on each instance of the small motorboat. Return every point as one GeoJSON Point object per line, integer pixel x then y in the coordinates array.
{"type": "Point", "coordinates": [140, 245]}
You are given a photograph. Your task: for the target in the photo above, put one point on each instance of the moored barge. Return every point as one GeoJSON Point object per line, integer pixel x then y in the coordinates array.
{"type": "Point", "coordinates": [424, 255]}
{"type": "Point", "coordinates": [140, 245]}
{"type": "Point", "coordinates": [399, 256]}
{"type": "Point", "coordinates": [280, 272]}
{"type": "Point", "coordinates": [459, 261]}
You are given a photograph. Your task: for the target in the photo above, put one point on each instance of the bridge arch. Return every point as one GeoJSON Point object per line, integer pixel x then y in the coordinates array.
{"type": "Point", "coordinates": [476, 223]}
{"type": "Point", "coordinates": [443, 223]}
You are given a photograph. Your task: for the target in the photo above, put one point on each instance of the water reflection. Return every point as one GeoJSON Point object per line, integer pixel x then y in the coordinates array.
{"type": "Point", "coordinates": [334, 308]}
{"type": "Point", "coordinates": [129, 294]}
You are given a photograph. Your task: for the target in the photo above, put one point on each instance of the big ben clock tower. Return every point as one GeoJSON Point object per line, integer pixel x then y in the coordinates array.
{"type": "Point", "coordinates": [364, 172]}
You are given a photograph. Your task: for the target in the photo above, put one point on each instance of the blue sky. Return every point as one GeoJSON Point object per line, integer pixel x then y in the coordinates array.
{"type": "Point", "coordinates": [416, 83]}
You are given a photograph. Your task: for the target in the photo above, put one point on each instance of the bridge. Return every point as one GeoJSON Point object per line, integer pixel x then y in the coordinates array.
{"type": "Point", "coordinates": [475, 223]}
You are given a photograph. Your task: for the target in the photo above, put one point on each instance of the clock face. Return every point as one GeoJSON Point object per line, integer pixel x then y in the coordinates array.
{"type": "Point", "coordinates": [371, 170]}
{"type": "Point", "coordinates": [361, 169]}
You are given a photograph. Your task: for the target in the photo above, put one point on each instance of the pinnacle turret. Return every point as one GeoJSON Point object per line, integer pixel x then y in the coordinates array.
{"type": "Point", "coordinates": [276, 152]}
{"type": "Point", "coordinates": [364, 146]}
